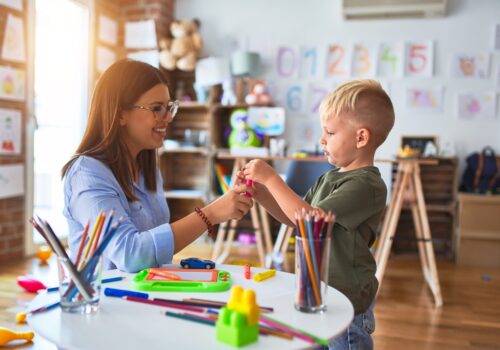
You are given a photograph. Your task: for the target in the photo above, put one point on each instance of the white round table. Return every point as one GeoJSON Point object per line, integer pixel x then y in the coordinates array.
{"type": "Point", "coordinates": [128, 325]}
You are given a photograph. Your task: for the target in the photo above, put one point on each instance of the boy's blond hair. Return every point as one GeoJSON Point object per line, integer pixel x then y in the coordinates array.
{"type": "Point", "coordinates": [366, 103]}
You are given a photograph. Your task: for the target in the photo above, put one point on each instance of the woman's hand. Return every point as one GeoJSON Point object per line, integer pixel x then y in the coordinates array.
{"type": "Point", "coordinates": [259, 171]}
{"type": "Point", "coordinates": [232, 205]}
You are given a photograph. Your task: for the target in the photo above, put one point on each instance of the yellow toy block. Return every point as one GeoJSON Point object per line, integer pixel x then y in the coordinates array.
{"type": "Point", "coordinates": [244, 301]}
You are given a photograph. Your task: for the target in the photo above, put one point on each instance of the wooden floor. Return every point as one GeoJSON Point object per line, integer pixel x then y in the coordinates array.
{"type": "Point", "coordinates": [405, 313]}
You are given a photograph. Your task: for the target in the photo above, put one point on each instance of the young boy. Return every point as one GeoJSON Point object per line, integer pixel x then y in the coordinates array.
{"type": "Point", "coordinates": [355, 120]}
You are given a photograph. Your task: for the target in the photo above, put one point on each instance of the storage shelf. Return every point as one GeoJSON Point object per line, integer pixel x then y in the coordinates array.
{"type": "Point", "coordinates": [186, 194]}
{"type": "Point", "coordinates": [184, 149]}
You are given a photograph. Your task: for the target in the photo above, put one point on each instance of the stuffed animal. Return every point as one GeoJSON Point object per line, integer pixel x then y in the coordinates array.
{"type": "Point", "coordinates": [241, 134]}
{"type": "Point", "coordinates": [258, 95]}
{"type": "Point", "coordinates": [181, 51]}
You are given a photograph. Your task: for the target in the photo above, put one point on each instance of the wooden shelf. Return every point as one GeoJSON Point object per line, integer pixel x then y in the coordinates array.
{"type": "Point", "coordinates": [185, 149]}
{"type": "Point", "coordinates": [186, 194]}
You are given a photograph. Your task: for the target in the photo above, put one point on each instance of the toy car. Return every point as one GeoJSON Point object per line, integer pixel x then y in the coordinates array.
{"type": "Point", "coordinates": [195, 263]}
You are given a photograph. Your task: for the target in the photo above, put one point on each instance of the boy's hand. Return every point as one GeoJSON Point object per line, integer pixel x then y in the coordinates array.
{"type": "Point", "coordinates": [259, 171]}
{"type": "Point", "coordinates": [258, 189]}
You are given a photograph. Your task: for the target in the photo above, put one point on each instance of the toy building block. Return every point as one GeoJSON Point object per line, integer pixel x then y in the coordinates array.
{"type": "Point", "coordinates": [238, 322]}
{"type": "Point", "coordinates": [244, 301]}
{"type": "Point", "coordinates": [232, 328]}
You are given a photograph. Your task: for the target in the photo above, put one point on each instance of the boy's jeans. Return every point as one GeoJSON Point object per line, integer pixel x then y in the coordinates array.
{"type": "Point", "coordinates": [358, 334]}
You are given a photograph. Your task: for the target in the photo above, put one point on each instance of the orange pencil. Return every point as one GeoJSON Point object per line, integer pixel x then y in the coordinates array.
{"type": "Point", "coordinates": [308, 260]}
{"type": "Point", "coordinates": [82, 243]}
{"type": "Point", "coordinates": [98, 235]}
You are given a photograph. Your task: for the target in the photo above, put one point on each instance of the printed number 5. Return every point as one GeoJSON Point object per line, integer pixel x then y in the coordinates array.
{"type": "Point", "coordinates": [418, 60]}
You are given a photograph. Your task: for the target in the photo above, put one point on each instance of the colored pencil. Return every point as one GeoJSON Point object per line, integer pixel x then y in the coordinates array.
{"type": "Point", "coordinates": [164, 304]}
{"type": "Point", "coordinates": [211, 320]}
{"type": "Point", "coordinates": [308, 261]}
{"type": "Point", "coordinates": [105, 280]}
{"type": "Point", "coordinates": [82, 244]}
{"type": "Point", "coordinates": [220, 303]}
{"type": "Point", "coordinates": [190, 318]}
{"type": "Point", "coordinates": [82, 285]}
{"type": "Point", "coordinates": [299, 333]}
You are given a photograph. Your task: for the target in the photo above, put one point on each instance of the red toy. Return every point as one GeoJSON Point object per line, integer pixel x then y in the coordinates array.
{"type": "Point", "coordinates": [247, 271]}
{"type": "Point", "coordinates": [30, 284]}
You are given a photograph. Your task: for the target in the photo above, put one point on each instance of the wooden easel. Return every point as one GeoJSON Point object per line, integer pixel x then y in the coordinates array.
{"type": "Point", "coordinates": [260, 227]}
{"type": "Point", "coordinates": [408, 188]}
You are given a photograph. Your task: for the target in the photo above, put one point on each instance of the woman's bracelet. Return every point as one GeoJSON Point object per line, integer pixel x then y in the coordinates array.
{"type": "Point", "coordinates": [207, 222]}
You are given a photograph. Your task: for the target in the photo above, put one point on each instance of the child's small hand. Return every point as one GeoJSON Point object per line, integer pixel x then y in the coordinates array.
{"type": "Point", "coordinates": [259, 171]}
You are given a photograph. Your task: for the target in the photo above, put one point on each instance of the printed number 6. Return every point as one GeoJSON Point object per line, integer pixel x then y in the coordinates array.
{"type": "Point", "coordinates": [293, 98]}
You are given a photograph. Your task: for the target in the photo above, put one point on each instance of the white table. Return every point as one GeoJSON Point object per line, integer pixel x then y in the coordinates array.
{"type": "Point", "coordinates": [128, 325]}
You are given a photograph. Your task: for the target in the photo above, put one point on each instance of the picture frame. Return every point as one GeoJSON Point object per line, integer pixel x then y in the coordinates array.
{"type": "Point", "coordinates": [418, 142]}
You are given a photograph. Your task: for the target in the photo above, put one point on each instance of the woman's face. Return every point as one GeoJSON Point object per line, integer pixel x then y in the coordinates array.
{"type": "Point", "coordinates": [145, 126]}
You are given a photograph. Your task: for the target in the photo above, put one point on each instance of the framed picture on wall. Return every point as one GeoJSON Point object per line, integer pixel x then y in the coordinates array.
{"type": "Point", "coordinates": [421, 142]}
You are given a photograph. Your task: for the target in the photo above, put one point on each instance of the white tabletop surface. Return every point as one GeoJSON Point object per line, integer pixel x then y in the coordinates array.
{"type": "Point", "coordinates": [128, 325]}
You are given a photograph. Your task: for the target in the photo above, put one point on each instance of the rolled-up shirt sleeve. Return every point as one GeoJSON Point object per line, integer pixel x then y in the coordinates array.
{"type": "Point", "coordinates": [130, 249]}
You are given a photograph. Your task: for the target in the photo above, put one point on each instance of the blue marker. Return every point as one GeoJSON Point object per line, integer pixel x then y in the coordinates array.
{"type": "Point", "coordinates": [105, 280]}
{"type": "Point", "coordinates": [118, 293]}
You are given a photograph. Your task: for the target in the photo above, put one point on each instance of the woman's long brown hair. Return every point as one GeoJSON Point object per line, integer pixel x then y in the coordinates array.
{"type": "Point", "coordinates": [119, 87]}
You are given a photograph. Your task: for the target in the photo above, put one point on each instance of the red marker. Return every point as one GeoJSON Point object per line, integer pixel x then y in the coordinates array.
{"type": "Point", "coordinates": [247, 271]}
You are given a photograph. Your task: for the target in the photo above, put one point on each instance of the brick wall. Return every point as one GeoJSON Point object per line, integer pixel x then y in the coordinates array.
{"type": "Point", "coordinates": [12, 225]}
{"type": "Point", "coordinates": [12, 209]}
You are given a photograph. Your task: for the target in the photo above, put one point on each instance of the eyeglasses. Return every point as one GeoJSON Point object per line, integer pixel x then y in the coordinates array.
{"type": "Point", "coordinates": [161, 111]}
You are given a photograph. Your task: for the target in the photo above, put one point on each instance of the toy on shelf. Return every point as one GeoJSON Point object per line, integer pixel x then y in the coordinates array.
{"type": "Point", "coordinates": [238, 323]}
{"type": "Point", "coordinates": [241, 134]}
{"type": "Point", "coordinates": [408, 152]}
{"type": "Point", "coordinates": [30, 284]}
{"type": "Point", "coordinates": [7, 335]}
{"type": "Point", "coordinates": [181, 51]}
{"type": "Point", "coordinates": [247, 271]}
{"type": "Point", "coordinates": [258, 96]}
{"type": "Point", "coordinates": [43, 254]}
{"type": "Point", "coordinates": [195, 263]}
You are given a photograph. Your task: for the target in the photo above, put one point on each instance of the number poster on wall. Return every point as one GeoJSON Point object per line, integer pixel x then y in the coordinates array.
{"type": "Point", "coordinates": [306, 74]}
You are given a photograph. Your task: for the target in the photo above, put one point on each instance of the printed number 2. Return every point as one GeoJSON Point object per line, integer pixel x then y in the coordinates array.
{"type": "Point", "coordinates": [335, 55]}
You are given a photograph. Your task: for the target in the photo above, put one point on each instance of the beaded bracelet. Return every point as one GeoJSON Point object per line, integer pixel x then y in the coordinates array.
{"type": "Point", "coordinates": [202, 215]}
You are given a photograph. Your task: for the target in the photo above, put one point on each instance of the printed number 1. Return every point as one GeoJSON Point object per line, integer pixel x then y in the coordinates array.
{"type": "Point", "coordinates": [312, 54]}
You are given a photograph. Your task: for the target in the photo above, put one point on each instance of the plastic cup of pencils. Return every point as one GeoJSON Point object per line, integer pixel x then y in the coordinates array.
{"type": "Point", "coordinates": [312, 257]}
{"type": "Point", "coordinates": [72, 299]}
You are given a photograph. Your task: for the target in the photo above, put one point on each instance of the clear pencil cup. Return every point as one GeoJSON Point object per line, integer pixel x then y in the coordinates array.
{"type": "Point", "coordinates": [80, 293]}
{"type": "Point", "coordinates": [312, 257]}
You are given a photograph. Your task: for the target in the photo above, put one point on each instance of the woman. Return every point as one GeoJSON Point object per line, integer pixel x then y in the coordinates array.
{"type": "Point", "coordinates": [115, 167]}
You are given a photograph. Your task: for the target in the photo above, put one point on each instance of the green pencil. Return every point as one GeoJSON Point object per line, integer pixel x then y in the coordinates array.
{"type": "Point", "coordinates": [189, 318]}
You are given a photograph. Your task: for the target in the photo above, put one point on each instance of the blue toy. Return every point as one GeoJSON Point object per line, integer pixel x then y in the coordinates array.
{"type": "Point", "coordinates": [241, 134]}
{"type": "Point", "coordinates": [195, 263]}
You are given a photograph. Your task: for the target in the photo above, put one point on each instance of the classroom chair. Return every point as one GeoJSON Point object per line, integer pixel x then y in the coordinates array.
{"type": "Point", "coordinates": [300, 176]}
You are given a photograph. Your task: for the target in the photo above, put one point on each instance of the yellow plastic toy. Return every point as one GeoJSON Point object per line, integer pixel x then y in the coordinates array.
{"type": "Point", "coordinates": [6, 336]}
{"type": "Point", "coordinates": [408, 152]}
{"type": "Point", "coordinates": [244, 301]}
{"type": "Point", "coordinates": [43, 254]}
{"type": "Point", "coordinates": [261, 276]}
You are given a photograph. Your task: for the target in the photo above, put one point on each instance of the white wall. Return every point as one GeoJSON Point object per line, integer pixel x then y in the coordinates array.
{"type": "Point", "coordinates": [264, 24]}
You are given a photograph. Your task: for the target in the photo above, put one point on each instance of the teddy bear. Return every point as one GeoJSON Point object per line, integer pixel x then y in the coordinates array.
{"type": "Point", "coordinates": [258, 95]}
{"type": "Point", "coordinates": [181, 51]}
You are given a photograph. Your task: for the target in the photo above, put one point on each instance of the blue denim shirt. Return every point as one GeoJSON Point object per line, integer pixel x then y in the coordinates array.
{"type": "Point", "coordinates": [143, 240]}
